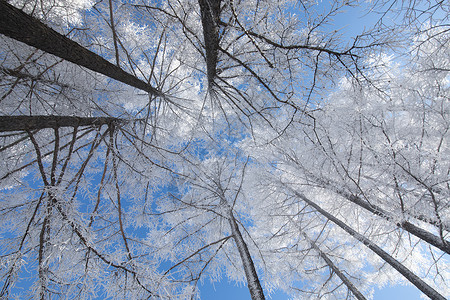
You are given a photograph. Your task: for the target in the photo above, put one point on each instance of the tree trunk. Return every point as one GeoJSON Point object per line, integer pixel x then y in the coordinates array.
{"type": "Point", "coordinates": [413, 278]}
{"type": "Point", "coordinates": [254, 286]}
{"type": "Point", "coordinates": [422, 234]}
{"type": "Point", "coordinates": [335, 269]}
{"type": "Point", "coordinates": [210, 12]}
{"type": "Point", "coordinates": [16, 24]}
{"type": "Point", "coordinates": [22, 123]}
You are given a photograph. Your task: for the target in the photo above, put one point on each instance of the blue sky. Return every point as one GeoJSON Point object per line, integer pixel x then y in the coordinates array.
{"type": "Point", "coordinates": [228, 291]}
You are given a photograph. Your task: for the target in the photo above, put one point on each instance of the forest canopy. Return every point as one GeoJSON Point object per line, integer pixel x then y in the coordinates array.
{"type": "Point", "coordinates": [147, 147]}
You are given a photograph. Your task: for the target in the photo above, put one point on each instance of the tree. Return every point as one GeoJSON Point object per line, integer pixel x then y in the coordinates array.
{"type": "Point", "coordinates": [369, 156]}
{"type": "Point", "coordinates": [260, 136]}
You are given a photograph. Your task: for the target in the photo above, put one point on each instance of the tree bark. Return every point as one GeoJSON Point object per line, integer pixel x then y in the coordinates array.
{"type": "Point", "coordinates": [335, 269]}
{"type": "Point", "coordinates": [254, 286]}
{"type": "Point", "coordinates": [422, 234]}
{"type": "Point", "coordinates": [23, 123]}
{"type": "Point", "coordinates": [210, 13]}
{"type": "Point", "coordinates": [413, 278]}
{"type": "Point", "coordinates": [17, 25]}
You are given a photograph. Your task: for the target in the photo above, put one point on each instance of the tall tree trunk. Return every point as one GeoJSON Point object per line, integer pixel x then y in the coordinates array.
{"type": "Point", "coordinates": [210, 13]}
{"type": "Point", "coordinates": [16, 24]}
{"type": "Point", "coordinates": [336, 270]}
{"type": "Point", "coordinates": [413, 278]}
{"type": "Point", "coordinates": [426, 236]}
{"type": "Point", "coordinates": [23, 123]}
{"type": "Point", "coordinates": [254, 286]}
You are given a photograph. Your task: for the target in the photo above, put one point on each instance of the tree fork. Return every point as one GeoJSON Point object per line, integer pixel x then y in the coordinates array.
{"type": "Point", "coordinates": [18, 25]}
{"type": "Point", "coordinates": [413, 278]}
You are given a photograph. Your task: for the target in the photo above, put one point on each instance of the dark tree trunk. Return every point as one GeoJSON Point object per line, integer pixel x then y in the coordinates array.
{"type": "Point", "coordinates": [413, 278]}
{"type": "Point", "coordinates": [210, 12]}
{"type": "Point", "coordinates": [16, 24]}
{"type": "Point", "coordinates": [23, 123]}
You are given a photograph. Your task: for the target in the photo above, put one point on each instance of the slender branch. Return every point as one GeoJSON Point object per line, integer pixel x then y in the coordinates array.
{"type": "Point", "coordinates": [116, 48]}
{"type": "Point", "coordinates": [294, 46]}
